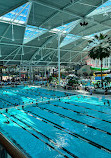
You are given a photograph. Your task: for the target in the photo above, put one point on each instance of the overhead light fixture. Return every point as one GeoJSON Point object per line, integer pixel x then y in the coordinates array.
{"type": "Point", "coordinates": [105, 14]}
{"type": "Point", "coordinates": [72, 1]}
{"type": "Point", "coordinates": [38, 39]}
{"type": "Point", "coordinates": [13, 39]}
{"type": "Point", "coordinates": [84, 23]}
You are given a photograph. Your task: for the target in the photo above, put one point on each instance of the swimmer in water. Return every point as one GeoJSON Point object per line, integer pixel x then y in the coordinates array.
{"type": "Point", "coordinates": [108, 102]}
{"type": "Point", "coordinates": [7, 122]}
{"type": "Point", "coordinates": [6, 110]}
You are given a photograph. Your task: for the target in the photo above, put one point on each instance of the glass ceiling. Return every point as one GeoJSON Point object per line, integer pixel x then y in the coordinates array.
{"type": "Point", "coordinates": [19, 16]}
{"type": "Point", "coordinates": [32, 32]}
{"type": "Point", "coordinates": [64, 29]}
{"type": "Point", "coordinates": [92, 36]}
{"type": "Point", "coordinates": [103, 9]}
{"type": "Point", "coordinates": [69, 39]}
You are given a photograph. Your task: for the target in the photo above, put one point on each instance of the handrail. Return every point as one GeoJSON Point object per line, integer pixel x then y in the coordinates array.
{"type": "Point", "coordinates": [13, 151]}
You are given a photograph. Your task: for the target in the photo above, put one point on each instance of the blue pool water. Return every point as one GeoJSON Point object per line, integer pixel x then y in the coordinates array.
{"type": "Point", "coordinates": [54, 124]}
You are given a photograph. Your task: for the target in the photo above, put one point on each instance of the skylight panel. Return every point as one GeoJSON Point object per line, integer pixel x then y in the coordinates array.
{"type": "Point", "coordinates": [92, 35]}
{"type": "Point", "coordinates": [18, 15]}
{"type": "Point", "coordinates": [64, 29]}
{"type": "Point", "coordinates": [89, 37]}
{"type": "Point", "coordinates": [69, 39]}
{"type": "Point", "coordinates": [33, 32]}
{"type": "Point", "coordinates": [103, 9]}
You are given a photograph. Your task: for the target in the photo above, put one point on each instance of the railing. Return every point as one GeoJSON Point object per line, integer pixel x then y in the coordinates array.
{"type": "Point", "coordinates": [11, 149]}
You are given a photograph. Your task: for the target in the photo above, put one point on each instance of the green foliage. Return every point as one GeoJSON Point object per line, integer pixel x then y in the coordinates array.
{"type": "Point", "coordinates": [71, 82]}
{"type": "Point", "coordinates": [108, 79]}
{"type": "Point", "coordinates": [102, 48]}
{"type": "Point", "coordinates": [99, 52]}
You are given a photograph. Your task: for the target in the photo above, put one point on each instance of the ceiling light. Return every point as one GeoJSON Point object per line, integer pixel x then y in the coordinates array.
{"type": "Point", "coordinates": [105, 14]}
{"type": "Point", "coordinates": [13, 39]}
{"type": "Point", "coordinates": [83, 23]}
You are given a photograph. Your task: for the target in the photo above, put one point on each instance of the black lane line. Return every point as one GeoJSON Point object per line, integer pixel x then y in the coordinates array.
{"type": "Point", "coordinates": [94, 104]}
{"type": "Point", "coordinates": [77, 111]}
{"type": "Point", "coordinates": [86, 108]}
{"type": "Point", "coordinates": [45, 94]}
{"type": "Point", "coordinates": [49, 139]}
{"type": "Point", "coordinates": [64, 116]}
{"type": "Point", "coordinates": [80, 113]}
{"type": "Point", "coordinates": [20, 95]}
{"type": "Point", "coordinates": [13, 141]}
{"type": "Point", "coordinates": [67, 131]}
{"type": "Point", "coordinates": [35, 136]}
{"type": "Point", "coordinates": [6, 101]}
{"type": "Point", "coordinates": [68, 94]}
{"type": "Point", "coordinates": [55, 97]}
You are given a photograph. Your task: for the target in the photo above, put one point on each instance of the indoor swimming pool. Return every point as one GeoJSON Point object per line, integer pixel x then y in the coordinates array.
{"type": "Point", "coordinates": [46, 123]}
{"type": "Point", "coordinates": [27, 95]}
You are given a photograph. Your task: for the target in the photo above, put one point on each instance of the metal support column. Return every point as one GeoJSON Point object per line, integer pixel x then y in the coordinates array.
{"type": "Point", "coordinates": [30, 74]}
{"type": "Point", "coordinates": [59, 58]}
{"type": "Point", "coordinates": [20, 73]}
{"type": "Point", "coordinates": [45, 72]}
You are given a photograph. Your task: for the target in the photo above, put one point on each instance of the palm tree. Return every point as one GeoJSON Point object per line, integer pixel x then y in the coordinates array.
{"type": "Point", "coordinates": [101, 48]}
